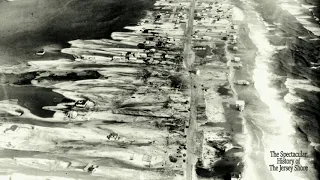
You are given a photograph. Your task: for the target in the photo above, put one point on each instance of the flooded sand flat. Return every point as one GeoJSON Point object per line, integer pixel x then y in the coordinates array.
{"type": "Point", "coordinates": [141, 127]}
{"type": "Point", "coordinates": [30, 25]}
{"type": "Point", "coordinates": [32, 98]}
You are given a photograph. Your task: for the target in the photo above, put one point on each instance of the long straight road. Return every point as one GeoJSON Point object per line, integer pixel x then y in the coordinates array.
{"type": "Point", "coordinates": [189, 58]}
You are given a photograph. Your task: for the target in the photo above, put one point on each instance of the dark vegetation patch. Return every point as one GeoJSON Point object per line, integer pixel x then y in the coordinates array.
{"type": "Point", "coordinates": [113, 122]}
{"type": "Point", "coordinates": [219, 51]}
{"type": "Point", "coordinates": [166, 103]}
{"type": "Point", "coordinates": [172, 124]}
{"type": "Point", "coordinates": [137, 104]}
{"type": "Point", "coordinates": [173, 159]}
{"type": "Point", "coordinates": [72, 76]}
{"type": "Point", "coordinates": [19, 79]}
{"type": "Point", "coordinates": [203, 53]}
{"type": "Point", "coordinates": [26, 78]}
{"type": "Point", "coordinates": [223, 91]}
{"type": "Point", "coordinates": [144, 75]}
{"type": "Point", "coordinates": [131, 65]}
{"type": "Point", "coordinates": [116, 103]}
{"type": "Point", "coordinates": [223, 168]}
{"type": "Point", "coordinates": [177, 82]}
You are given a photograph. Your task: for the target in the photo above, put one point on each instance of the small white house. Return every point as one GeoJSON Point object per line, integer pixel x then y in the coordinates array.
{"type": "Point", "coordinates": [198, 72]}
{"type": "Point", "coordinates": [233, 37]}
{"type": "Point", "coordinates": [207, 38]}
{"type": "Point", "coordinates": [141, 55]}
{"type": "Point", "coordinates": [236, 59]}
{"type": "Point", "coordinates": [153, 50]}
{"type": "Point", "coordinates": [235, 48]}
{"type": "Point", "coordinates": [72, 114]}
{"type": "Point", "coordinates": [85, 104]}
{"type": "Point", "coordinates": [235, 176]}
{"type": "Point", "coordinates": [237, 66]}
{"type": "Point", "coordinates": [240, 105]}
{"type": "Point", "coordinates": [118, 58]}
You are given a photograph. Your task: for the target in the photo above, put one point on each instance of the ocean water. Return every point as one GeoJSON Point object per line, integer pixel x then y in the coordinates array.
{"type": "Point", "coordinates": [286, 35]}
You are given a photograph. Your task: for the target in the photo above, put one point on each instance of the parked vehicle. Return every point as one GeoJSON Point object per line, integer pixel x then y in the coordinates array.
{"type": "Point", "coordinates": [236, 59]}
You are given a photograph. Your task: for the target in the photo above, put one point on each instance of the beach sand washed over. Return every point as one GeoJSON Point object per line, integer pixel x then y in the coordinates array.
{"type": "Point", "coordinates": [120, 106]}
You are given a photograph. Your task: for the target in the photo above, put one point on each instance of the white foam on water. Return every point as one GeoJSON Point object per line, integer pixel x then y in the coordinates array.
{"type": "Point", "coordinates": [280, 137]}
{"type": "Point", "coordinates": [298, 11]}
{"type": "Point", "coordinates": [291, 98]}
{"type": "Point", "coordinates": [292, 8]}
{"type": "Point", "coordinates": [306, 6]}
{"type": "Point", "coordinates": [292, 84]}
{"type": "Point", "coordinates": [249, 163]}
{"type": "Point", "coordinates": [301, 84]}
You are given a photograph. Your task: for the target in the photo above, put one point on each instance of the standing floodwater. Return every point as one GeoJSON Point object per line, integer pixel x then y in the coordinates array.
{"type": "Point", "coordinates": [27, 26]}
{"type": "Point", "coordinates": [32, 25]}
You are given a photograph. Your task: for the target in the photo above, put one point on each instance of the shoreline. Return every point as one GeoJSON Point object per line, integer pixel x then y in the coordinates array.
{"type": "Point", "coordinates": [267, 136]}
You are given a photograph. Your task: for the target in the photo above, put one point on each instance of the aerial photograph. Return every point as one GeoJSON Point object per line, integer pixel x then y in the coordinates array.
{"type": "Point", "coordinates": [159, 89]}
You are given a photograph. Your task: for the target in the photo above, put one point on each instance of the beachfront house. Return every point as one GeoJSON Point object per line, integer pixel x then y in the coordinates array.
{"type": "Point", "coordinates": [235, 176]}
{"type": "Point", "coordinates": [240, 105]}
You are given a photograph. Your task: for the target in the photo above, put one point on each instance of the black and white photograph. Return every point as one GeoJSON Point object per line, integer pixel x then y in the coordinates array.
{"type": "Point", "coordinates": [159, 89]}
